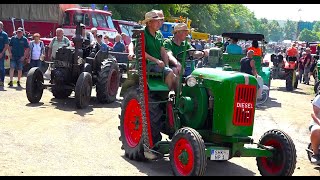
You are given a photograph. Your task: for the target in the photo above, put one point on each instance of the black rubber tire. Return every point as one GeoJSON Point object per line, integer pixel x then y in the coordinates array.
{"type": "Point", "coordinates": [296, 82]}
{"type": "Point", "coordinates": [264, 97]}
{"type": "Point", "coordinates": [137, 152]}
{"type": "Point", "coordinates": [87, 68]}
{"type": "Point", "coordinates": [285, 154]}
{"type": "Point", "coordinates": [34, 87]}
{"type": "Point", "coordinates": [60, 93]}
{"type": "Point", "coordinates": [196, 142]}
{"type": "Point", "coordinates": [316, 87]}
{"type": "Point", "coordinates": [289, 78]}
{"type": "Point", "coordinates": [105, 93]}
{"type": "Point", "coordinates": [155, 113]}
{"type": "Point", "coordinates": [83, 90]}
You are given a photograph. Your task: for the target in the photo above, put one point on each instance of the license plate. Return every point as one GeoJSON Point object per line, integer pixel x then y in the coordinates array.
{"type": "Point", "coordinates": [219, 155]}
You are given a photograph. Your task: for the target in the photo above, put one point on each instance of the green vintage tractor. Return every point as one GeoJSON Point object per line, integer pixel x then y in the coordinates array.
{"type": "Point", "coordinates": [211, 119]}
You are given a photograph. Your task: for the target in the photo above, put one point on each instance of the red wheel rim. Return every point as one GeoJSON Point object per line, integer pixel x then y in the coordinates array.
{"type": "Point", "coordinates": [170, 114]}
{"type": "Point", "coordinates": [113, 83]}
{"type": "Point", "coordinates": [133, 123]}
{"type": "Point", "coordinates": [183, 156]}
{"type": "Point", "coordinates": [273, 164]}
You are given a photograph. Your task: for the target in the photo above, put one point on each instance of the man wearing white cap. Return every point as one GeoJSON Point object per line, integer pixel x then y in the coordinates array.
{"type": "Point", "coordinates": [177, 44]}
{"type": "Point", "coordinates": [155, 51]}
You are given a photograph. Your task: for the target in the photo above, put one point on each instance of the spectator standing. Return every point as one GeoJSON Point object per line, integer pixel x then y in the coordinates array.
{"type": "Point", "coordinates": [100, 45]}
{"type": "Point", "coordinates": [36, 51]}
{"type": "Point", "coordinates": [106, 40]}
{"type": "Point", "coordinates": [57, 42]}
{"type": "Point", "coordinates": [4, 45]}
{"type": "Point", "coordinates": [19, 49]}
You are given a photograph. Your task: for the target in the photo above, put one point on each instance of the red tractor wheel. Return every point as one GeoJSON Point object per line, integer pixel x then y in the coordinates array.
{"type": "Point", "coordinates": [187, 153]}
{"type": "Point", "coordinates": [131, 126]}
{"type": "Point", "coordinates": [284, 159]}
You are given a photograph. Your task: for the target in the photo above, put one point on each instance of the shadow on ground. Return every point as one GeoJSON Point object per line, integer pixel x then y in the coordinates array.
{"type": "Point", "coordinates": [163, 168]}
{"type": "Point", "coordinates": [271, 103]}
{"type": "Point", "coordinates": [283, 89]}
{"type": "Point", "coordinates": [69, 104]}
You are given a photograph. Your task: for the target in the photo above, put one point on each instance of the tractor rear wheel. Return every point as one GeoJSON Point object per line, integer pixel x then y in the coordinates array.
{"type": "Point", "coordinates": [34, 87]}
{"type": "Point", "coordinates": [131, 128]}
{"type": "Point", "coordinates": [187, 153]}
{"type": "Point", "coordinates": [284, 159]}
{"type": "Point", "coordinates": [83, 90]}
{"type": "Point", "coordinates": [108, 82]}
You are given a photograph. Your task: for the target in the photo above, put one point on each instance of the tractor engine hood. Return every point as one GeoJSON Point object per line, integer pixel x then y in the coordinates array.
{"type": "Point", "coordinates": [219, 75]}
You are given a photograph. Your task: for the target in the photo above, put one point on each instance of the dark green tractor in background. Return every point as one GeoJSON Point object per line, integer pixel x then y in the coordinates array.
{"type": "Point", "coordinates": [218, 59]}
{"type": "Point", "coordinates": [212, 119]}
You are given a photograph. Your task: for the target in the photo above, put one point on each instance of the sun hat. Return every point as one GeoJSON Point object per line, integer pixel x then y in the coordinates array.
{"type": "Point", "coordinates": [180, 27]}
{"type": "Point", "coordinates": [151, 15]}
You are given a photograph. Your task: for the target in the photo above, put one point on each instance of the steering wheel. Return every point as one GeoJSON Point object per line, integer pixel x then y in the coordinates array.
{"type": "Point", "coordinates": [189, 55]}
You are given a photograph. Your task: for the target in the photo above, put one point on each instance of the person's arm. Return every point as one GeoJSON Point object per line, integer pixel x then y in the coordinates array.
{"type": "Point", "coordinates": [253, 66]}
{"type": "Point", "coordinates": [155, 60]}
{"type": "Point", "coordinates": [131, 51]}
{"type": "Point", "coordinates": [26, 50]}
{"type": "Point", "coordinates": [6, 46]}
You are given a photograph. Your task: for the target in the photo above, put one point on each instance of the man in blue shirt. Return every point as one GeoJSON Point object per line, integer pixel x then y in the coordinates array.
{"type": "Point", "coordinates": [18, 51]}
{"type": "Point", "coordinates": [118, 46]}
{"type": "Point", "coordinates": [4, 44]}
{"type": "Point", "coordinates": [100, 45]}
{"type": "Point", "coordinates": [234, 48]}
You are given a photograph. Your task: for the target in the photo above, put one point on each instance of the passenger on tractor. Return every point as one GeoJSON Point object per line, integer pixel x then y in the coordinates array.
{"type": "Point", "coordinates": [255, 47]}
{"type": "Point", "coordinates": [177, 44]}
{"type": "Point", "coordinates": [315, 130]}
{"type": "Point", "coordinates": [155, 52]}
{"type": "Point", "coordinates": [292, 53]}
{"type": "Point", "coordinates": [233, 47]}
{"type": "Point", "coordinates": [247, 65]}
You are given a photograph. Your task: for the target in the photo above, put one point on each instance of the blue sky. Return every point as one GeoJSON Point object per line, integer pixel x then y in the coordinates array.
{"type": "Point", "coordinates": [309, 12]}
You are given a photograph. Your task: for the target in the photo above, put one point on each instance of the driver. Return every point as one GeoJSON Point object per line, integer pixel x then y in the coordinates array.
{"type": "Point", "coordinates": [155, 51]}
{"type": "Point", "coordinates": [177, 44]}
{"type": "Point", "coordinates": [315, 130]}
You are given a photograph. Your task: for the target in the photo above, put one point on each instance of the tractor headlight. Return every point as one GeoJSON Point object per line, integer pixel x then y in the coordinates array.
{"type": "Point", "coordinates": [191, 81]}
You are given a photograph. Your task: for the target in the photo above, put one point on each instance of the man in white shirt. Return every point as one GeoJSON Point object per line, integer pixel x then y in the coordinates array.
{"type": "Point", "coordinates": [36, 51]}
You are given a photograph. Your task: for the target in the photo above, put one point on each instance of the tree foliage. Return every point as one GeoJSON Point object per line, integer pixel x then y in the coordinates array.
{"type": "Point", "coordinates": [307, 35]}
{"type": "Point", "coordinates": [215, 19]}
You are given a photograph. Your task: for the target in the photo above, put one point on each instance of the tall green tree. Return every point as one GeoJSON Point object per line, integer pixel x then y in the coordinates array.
{"type": "Point", "coordinates": [307, 35]}
{"type": "Point", "coordinates": [290, 30]}
{"type": "Point", "coordinates": [316, 27]}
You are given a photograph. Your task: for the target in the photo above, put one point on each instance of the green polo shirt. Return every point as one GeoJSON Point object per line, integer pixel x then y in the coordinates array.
{"type": "Point", "coordinates": [153, 44]}
{"type": "Point", "coordinates": [169, 45]}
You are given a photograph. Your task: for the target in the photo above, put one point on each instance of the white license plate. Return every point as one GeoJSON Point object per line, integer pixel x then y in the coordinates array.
{"type": "Point", "coordinates": [219, 155]}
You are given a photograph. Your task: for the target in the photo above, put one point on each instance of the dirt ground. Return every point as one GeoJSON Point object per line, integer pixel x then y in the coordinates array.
{"type": "Point", "coordinates": [54, 138]}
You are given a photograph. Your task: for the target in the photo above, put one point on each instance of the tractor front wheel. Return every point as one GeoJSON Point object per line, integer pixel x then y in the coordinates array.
{"type": "Point", "coordinates": [284, 159]}
{"type": "Point", "coordinates": [316, 87]}
{"type": "Point", "coordinates": [83, 90]}
{"type": "Point", "coordinates": [187, 153]}
{"type": "Point", "coordinates": [34, 86]}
